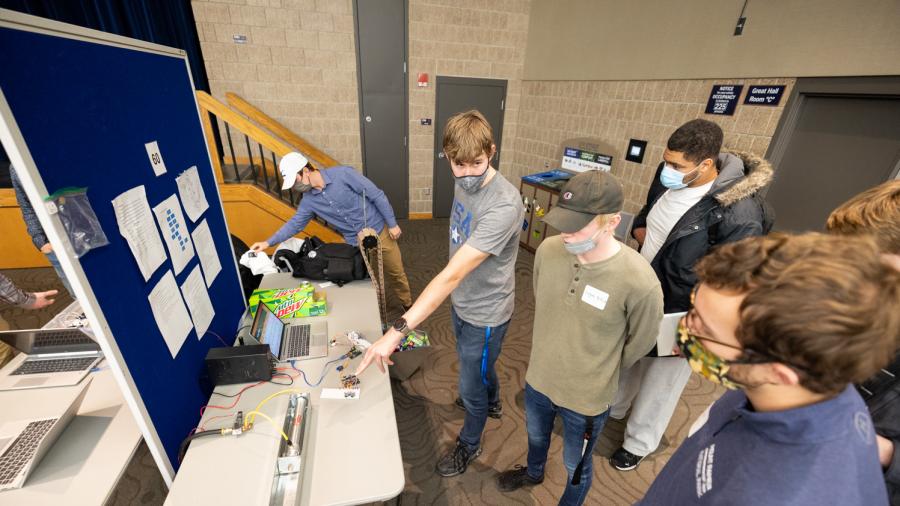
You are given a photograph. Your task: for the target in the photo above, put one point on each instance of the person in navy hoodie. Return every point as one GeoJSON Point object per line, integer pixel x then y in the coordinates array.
{"type": "Point", "coordinates": [787, 324]}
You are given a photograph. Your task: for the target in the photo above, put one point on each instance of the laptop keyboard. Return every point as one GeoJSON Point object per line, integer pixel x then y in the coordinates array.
{"type": "Point", "coordinates": [22, 451]}
{"type": "Point", "coordinates": [61, 338]}
{"type": "Point", "coordinates": [296, 342]}
{"type": "Point", "coordinates": [54, 365]}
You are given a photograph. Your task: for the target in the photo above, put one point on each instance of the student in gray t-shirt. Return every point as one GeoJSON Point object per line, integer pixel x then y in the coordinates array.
{"type": "Point", "coordinates": [485, 221]}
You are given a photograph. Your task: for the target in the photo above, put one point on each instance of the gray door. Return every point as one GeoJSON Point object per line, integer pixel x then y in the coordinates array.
{"type": "Point", "coordinates": [455, 95]}
{"type": "Point", "coordinates": [381, 58]}
{"type": "Point", "coordinates": [832, 146]}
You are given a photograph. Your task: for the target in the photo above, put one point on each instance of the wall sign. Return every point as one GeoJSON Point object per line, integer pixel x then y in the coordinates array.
{"type": "Point", "coordinates": [580, 160]}
{"type": "Point", "coordinates": [723, 99]}
{"type": "Point", "coordinates": [766, 94]}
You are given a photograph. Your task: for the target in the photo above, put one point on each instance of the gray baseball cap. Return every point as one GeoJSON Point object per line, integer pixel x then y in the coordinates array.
{"type": "Point", "coordinates": [583, 197]}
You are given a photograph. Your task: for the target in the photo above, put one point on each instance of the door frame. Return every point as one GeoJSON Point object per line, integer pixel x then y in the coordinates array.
{"type": "Point", "coordinates": [359, 90]}
{"type": "Point", "coordinates": [856, 87]}
{"type": "Point", "coordinates": [438, 130]}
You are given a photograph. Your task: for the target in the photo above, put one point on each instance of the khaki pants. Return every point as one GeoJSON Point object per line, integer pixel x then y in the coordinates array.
{"type": "Point", "coordinates": [396, 289]}
{"type": "Point", "coordinates": [6, 353]}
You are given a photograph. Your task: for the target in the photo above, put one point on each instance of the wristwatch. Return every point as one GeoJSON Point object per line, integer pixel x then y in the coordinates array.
{"type": "Point", "coordinates": [400, 326]}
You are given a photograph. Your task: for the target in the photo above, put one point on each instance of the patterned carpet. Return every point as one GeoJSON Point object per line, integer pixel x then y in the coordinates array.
{"type": "Point", "coordinates": [429, 421]}
{"type": "Point", "coordinates": [427, 417]}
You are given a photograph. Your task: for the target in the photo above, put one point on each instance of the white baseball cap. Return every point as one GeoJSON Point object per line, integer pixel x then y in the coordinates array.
{"type": "Point", "coordinates": [291, 165]}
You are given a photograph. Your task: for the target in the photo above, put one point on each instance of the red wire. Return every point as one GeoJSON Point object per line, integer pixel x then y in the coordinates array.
{"type": "Point", "coordinates": [241, 392]}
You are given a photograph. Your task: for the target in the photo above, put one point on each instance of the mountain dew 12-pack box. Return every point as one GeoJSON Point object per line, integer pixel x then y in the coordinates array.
{"type": "Point", "coordinates": [298, 302]}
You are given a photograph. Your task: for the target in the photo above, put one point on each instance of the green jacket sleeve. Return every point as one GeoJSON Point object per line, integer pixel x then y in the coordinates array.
{"type": "Point", "coordinates": [643, 317]}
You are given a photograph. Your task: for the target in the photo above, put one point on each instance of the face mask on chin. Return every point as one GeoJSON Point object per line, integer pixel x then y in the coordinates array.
{"type": "Point", "coordinates": [582, 247]}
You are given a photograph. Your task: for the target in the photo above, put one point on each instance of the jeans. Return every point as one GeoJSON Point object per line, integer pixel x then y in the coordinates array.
{"type": "Point", "coordinates": [59, 272]}
{"type": "Point", "coordinates": [478, 349]}
{"type": "Point", "coordinates": [540, 412]}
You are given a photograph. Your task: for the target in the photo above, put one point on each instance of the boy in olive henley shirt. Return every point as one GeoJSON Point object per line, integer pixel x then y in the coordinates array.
{"type": "Point", "coordinates": [598, 305]}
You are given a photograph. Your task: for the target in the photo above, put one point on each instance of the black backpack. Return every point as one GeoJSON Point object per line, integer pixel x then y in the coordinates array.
{"type": "Point", "coordinates": [336, 262]}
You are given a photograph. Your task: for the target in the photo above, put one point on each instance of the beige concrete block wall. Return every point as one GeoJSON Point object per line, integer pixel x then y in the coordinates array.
{"type": "Point", "coordinates": [298, 66]}
{"type": "Point", "coordinates": [462, 38]}
{"type": "Point", "coordinates": [616, 111]}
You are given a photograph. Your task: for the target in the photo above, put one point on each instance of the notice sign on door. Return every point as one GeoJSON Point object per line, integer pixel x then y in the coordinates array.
{"type": "Point", "coordinates": [764, 94]}
{"type": "Point", "coordinates": [724, 99]}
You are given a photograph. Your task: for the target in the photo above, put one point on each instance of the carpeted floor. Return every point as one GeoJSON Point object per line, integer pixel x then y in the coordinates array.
{"type": "Point", "coordinates": [427, 417]}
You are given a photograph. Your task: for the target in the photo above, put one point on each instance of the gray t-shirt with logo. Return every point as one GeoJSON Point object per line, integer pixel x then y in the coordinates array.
{"type": "Point", "coordinates": [488, 220]}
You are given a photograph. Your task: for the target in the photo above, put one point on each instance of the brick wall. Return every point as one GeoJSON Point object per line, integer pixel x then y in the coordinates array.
{"type": "Point", "coordinates": [298, 65]}
{"type": "Point", "coordinates": [616, 111]}
{"type": "Point", "coordinates": [462, 38]}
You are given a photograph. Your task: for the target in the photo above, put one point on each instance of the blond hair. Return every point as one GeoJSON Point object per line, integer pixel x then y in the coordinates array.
{"type": "Point", "coordinates": [875, 212]}
{"type": "Point", "coordinates": [467, 136]}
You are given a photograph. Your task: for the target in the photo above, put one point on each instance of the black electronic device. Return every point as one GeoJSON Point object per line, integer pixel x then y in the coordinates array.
{"type": "Point", "coordinates": [239, 364]}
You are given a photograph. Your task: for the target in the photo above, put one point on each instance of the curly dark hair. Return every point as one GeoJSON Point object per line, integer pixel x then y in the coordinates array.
{"type": "Point", "coordinates": [698, 139]}
{"type": "Point", "coordinates": [825, 304]}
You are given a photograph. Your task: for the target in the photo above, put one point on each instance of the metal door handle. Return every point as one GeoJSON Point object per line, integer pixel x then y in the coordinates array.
{"type": "Point", "coordinates": [368, 119]}
{"type": "Point", "coordinates": [441, 154]}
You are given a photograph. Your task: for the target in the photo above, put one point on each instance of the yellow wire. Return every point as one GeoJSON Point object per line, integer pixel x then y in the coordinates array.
{"type": "Point", "coordinates": [254, 413]}
{"type": "Point", "coordinates": [267, 399]}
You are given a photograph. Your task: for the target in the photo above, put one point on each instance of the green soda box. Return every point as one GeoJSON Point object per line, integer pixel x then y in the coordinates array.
{"type": "Point", "coordinates": [299, 302]}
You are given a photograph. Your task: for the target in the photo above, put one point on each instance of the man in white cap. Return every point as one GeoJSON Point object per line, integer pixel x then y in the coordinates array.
{"type": "Point", "coordinates": [349, 202]}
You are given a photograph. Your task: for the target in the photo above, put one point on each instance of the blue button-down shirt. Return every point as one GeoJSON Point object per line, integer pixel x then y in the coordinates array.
{"type": "Point", "coordinates": [340, 203]}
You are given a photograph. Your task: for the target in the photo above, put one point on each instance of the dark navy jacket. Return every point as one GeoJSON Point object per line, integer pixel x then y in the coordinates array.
{"type": "Point", "coordinates": [823, 454]}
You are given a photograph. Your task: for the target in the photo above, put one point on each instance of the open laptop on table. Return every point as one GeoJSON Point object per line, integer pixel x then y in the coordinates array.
{"type": "Point", "coordinates": [292, 339]}
{"type": "Point", "coordinates": [25, 439]}
{"type": "Point", "coordinates": [49, 358]}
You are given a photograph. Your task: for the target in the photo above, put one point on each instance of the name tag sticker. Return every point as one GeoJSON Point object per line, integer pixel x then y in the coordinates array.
{"type": "Point", "coordinates": [595, 297]}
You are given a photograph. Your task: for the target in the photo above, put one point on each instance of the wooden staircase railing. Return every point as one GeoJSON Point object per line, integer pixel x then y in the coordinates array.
{"type": "Point", "coordinates": [252, 159]}
{"type": "Point", "coordinates": [318, 158]}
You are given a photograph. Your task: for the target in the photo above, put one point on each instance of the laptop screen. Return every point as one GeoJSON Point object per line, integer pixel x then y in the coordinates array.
{"type": "Point", "coordinates": [268, 328]}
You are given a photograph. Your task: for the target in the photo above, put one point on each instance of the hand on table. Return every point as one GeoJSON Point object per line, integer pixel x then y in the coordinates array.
{"type": "Point", "coordinates": [47, 249]}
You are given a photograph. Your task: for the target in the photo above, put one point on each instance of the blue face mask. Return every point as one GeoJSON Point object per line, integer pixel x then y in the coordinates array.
{"type": "Point", "coordinates": [674, 180]}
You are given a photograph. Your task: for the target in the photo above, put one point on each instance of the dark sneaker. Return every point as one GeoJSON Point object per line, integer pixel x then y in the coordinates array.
{"type": "Point", "coordinates": [624, 460]}
{"type": "Point", "coordinates": [516, 478]}
{"type": "Point", "coordinates": [457, 460]}
{"type": "Point", "coordinates": [493, 411]}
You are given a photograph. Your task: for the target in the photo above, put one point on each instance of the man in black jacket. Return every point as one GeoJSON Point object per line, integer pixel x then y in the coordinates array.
{"type": "Point", "coordinates": [876, 212]}
{"type": "Point", "coordinates": [704, 198]}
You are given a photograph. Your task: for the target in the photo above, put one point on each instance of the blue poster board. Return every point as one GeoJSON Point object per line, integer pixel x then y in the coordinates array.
{"type": "Point", "coordinates": [85, 106]}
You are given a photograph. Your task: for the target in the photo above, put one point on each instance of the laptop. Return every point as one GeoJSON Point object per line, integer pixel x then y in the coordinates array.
{"type": "Point", "coordinates": [24, 441]}
{"type": "Point", "coordinates": [668, 330]}
{"type": "Point", "coordinates": [291, 339]}
{"type": "Point", "coordinates": [49, 358]}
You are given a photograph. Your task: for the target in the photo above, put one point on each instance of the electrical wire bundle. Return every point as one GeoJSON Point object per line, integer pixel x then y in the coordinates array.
{"type": "Point", "coordinates": [248, 421]}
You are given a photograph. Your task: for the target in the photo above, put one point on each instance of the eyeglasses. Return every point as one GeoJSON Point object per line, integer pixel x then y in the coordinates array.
{"type": "Point", "coordinates": [750, 356]}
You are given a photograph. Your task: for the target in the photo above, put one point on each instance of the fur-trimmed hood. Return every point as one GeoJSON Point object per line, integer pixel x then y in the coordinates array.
{"type": "Point", "coordinates": [741, 174]}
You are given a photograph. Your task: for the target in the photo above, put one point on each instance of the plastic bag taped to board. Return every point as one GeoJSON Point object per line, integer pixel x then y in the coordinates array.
{"type": "Point", "coordinates": [78, 218]}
